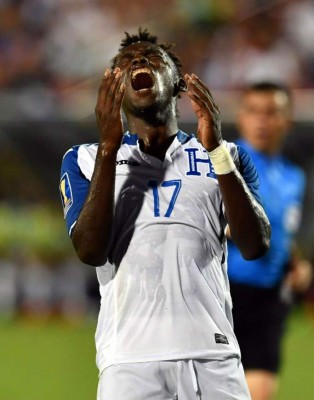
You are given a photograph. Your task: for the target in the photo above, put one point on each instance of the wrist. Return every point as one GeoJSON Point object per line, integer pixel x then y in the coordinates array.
{"type": "Point", "coordinates": [221, 160]}
{"type": "Point", "coordinates": [107, 150]}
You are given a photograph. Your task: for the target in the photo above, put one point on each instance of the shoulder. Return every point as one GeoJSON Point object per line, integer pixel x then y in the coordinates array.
{"type": "Point", "coordinates": [245, 158]}
{"type": "Point", "coordinates": [75, 153]}
{"type": "Point", "coordinates": [246, 168]}
{"type": "Point", "coordinates": [242, 158]}
{"type": "Point", "coordinates": [80, 158]}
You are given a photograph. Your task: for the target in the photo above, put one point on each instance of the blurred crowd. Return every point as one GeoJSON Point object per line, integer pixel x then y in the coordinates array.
{"type": "Point", "coordinates": [53, 52]}
{"type": "Point", "coordinates": [40, 276]}
{"type": "Point", "coordinates": [52, 57]}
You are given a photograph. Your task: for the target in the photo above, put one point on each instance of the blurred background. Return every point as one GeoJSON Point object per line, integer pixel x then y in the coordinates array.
{"type": "Point", "coordinates": [52, 57]}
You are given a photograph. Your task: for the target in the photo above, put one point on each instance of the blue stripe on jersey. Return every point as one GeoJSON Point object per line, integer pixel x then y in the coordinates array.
{"type": "Point", "coordinates": [249, 173]}
{"type": "Point", "coordinates": [77, 182]}
{"type": "Point", "coordinates": [184, 137]}
{"type": "Point", "coordinates": [130, 139]}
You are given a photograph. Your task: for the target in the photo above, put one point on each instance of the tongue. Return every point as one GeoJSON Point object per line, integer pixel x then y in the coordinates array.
{"type": "Point", "coordinates": [142, 81]}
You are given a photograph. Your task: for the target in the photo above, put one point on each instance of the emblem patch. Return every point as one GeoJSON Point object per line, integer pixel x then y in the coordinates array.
{"type": "Point", "coordinates": [66, 193]}
{"type": "Point", "coordinates": [220, 338]}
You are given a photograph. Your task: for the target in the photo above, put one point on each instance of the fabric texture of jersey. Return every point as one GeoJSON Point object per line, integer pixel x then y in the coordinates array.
{"type": "Point", "coordinates": [281, 190]}
{"type": "Point", "coordinates": [174, 380]}
{"type": "Point", "coordinates": [165, 292]}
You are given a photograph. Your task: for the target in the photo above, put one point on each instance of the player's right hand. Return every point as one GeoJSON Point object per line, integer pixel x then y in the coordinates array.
{"type": "Point", "coordinates": [108, 109]}
{"type": "Point", "coordinates": [207, 112]}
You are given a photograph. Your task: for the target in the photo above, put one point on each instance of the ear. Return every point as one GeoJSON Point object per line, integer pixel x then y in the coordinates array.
{"type": "Point", "coordinates": [180, 86]}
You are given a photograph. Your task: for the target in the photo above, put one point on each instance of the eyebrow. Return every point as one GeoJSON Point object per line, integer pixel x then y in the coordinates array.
{"type": "Point", "coordinates": [147, 50]}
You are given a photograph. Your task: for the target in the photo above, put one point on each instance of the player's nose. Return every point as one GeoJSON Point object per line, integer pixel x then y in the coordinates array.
{"type": "Point", "coordinates": [139, 59]}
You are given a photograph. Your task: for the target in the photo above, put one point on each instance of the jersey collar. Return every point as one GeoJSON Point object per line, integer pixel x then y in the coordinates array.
{"type": "Point", "coordinates": [180, 139]}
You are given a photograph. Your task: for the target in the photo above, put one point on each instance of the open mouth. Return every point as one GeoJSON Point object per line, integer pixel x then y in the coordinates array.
{"type": "Point", "coordinates": [142, 79]}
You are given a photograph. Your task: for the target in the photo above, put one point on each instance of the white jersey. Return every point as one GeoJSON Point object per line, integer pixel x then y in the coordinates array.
{"type": "Point", "coordinates": [164, 289]}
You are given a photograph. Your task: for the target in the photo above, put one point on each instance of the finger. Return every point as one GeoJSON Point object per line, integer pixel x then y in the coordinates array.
{"type": "Point", "coordinates": [189, 81]}
{"type": "Point", "coordinates": [193, 94]}
{"type": "Point", "coordinates": [201, 84]}
{"type": "Point", "coordinates": [107, 92]}
{"type": "Point", "coordinates": [204, 108]}
{"type": "Point", "coordinates": [193, 85]}
{"type": "Point", "coordinates": [196, 80]}
{"type": "Point", "coordinates": [103, 87]}
{"type": "Point", "coordinates": [204, 93]}
{"type": "Point", "coordinates": [205, 88]}
{"type": "Point", "coordinates": [187, 77]}
{"type": "Point", "coordinates": [118, 99]}
{"type": "Point", "coordinates": [199, 100]}
{"type": "Point", "coordinates": [194, 88]}
{"type": "Point", "coordinates": [113, 92]}
{"type": "Point", "coordinates": [114, 82]}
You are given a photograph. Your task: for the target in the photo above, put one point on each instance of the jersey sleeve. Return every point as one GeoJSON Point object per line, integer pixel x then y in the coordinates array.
{"type": "Point", "coordinates": [248, 171]}
{"type": "Point", "coordinates": [73, 188]}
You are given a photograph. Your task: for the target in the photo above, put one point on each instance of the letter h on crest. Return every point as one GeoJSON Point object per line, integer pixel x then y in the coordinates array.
{"type": "Point", "coordinates": [193, 161]}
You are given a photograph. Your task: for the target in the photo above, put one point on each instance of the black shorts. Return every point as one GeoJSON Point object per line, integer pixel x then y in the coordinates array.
{"type": "Point", "coordinates": [259, 322]}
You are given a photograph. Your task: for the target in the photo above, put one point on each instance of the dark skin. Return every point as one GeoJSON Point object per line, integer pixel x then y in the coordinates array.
{"type": "Point", "coordinates": [151, 113]}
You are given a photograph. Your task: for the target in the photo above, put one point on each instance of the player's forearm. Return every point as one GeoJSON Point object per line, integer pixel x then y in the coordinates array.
{"type": "Point", "coordinates": [92, 235]}
{"type": "Point", "coordinates": [249, 225]}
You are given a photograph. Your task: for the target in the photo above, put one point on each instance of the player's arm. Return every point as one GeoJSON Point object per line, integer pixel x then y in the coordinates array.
{"type": "Point", "coordinates": [92, 234]}
{"type": "Point", "coordinates": [248, 223]}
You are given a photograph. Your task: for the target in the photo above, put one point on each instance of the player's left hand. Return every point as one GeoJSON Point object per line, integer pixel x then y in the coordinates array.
{"type": "Point", "coordinates": [207, 112]}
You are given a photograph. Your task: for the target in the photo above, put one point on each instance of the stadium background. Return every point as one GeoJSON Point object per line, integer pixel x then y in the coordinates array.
{"type": "Point", "coordinates": [52, 56]}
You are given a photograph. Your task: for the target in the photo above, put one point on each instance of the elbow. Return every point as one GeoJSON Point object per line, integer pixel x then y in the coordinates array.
{"type": "Point", "coordinates": [259, 247]}
{"type": "Point", "coordinates": [91, 259]}
{"type": "Point", "coordinates": [88, 250]}
{"type": "Point", "coordinates": [256, 251]}
{"type": "Point", "coordinates": [90, 256]}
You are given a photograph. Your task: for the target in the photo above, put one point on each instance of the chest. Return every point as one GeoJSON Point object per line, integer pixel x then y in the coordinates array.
{"type": "Point", "coordinates": [181, 186]}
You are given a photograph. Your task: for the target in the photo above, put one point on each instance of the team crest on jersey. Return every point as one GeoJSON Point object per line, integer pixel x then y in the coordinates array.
{"type": "Point", "coordinates": [66, 193]}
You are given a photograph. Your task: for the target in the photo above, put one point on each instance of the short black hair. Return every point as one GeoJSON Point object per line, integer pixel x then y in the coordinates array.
{"type": "Point", "coordinates": [268, 87]}
{"type": "Point", "coordinates": [145, 36]}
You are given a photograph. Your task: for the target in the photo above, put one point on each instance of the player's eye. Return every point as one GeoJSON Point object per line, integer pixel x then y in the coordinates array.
{"type": "Point", "coordinates": [123, 62]}
{"type": "Point", "coordinates": [155, 57]}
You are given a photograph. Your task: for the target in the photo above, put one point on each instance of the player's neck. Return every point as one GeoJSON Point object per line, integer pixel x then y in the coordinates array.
{"type": "Point", "coordinates": [154, 140]}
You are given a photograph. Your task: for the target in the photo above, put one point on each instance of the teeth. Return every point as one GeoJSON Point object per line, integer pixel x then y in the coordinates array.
{"type": "Point", "coordinates": [141, 70]}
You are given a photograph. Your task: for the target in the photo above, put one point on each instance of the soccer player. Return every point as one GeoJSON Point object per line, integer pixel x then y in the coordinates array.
{"type": "Point", "coordinates": [149, 208]}
{"type": "Point", "coordinates": [260, 288]}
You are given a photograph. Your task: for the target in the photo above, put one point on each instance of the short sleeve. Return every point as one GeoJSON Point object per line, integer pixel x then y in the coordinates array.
{"type": "Point", "coordinates": [248, 171]}
{"type": "Point", "coordinates": [73, 188]}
